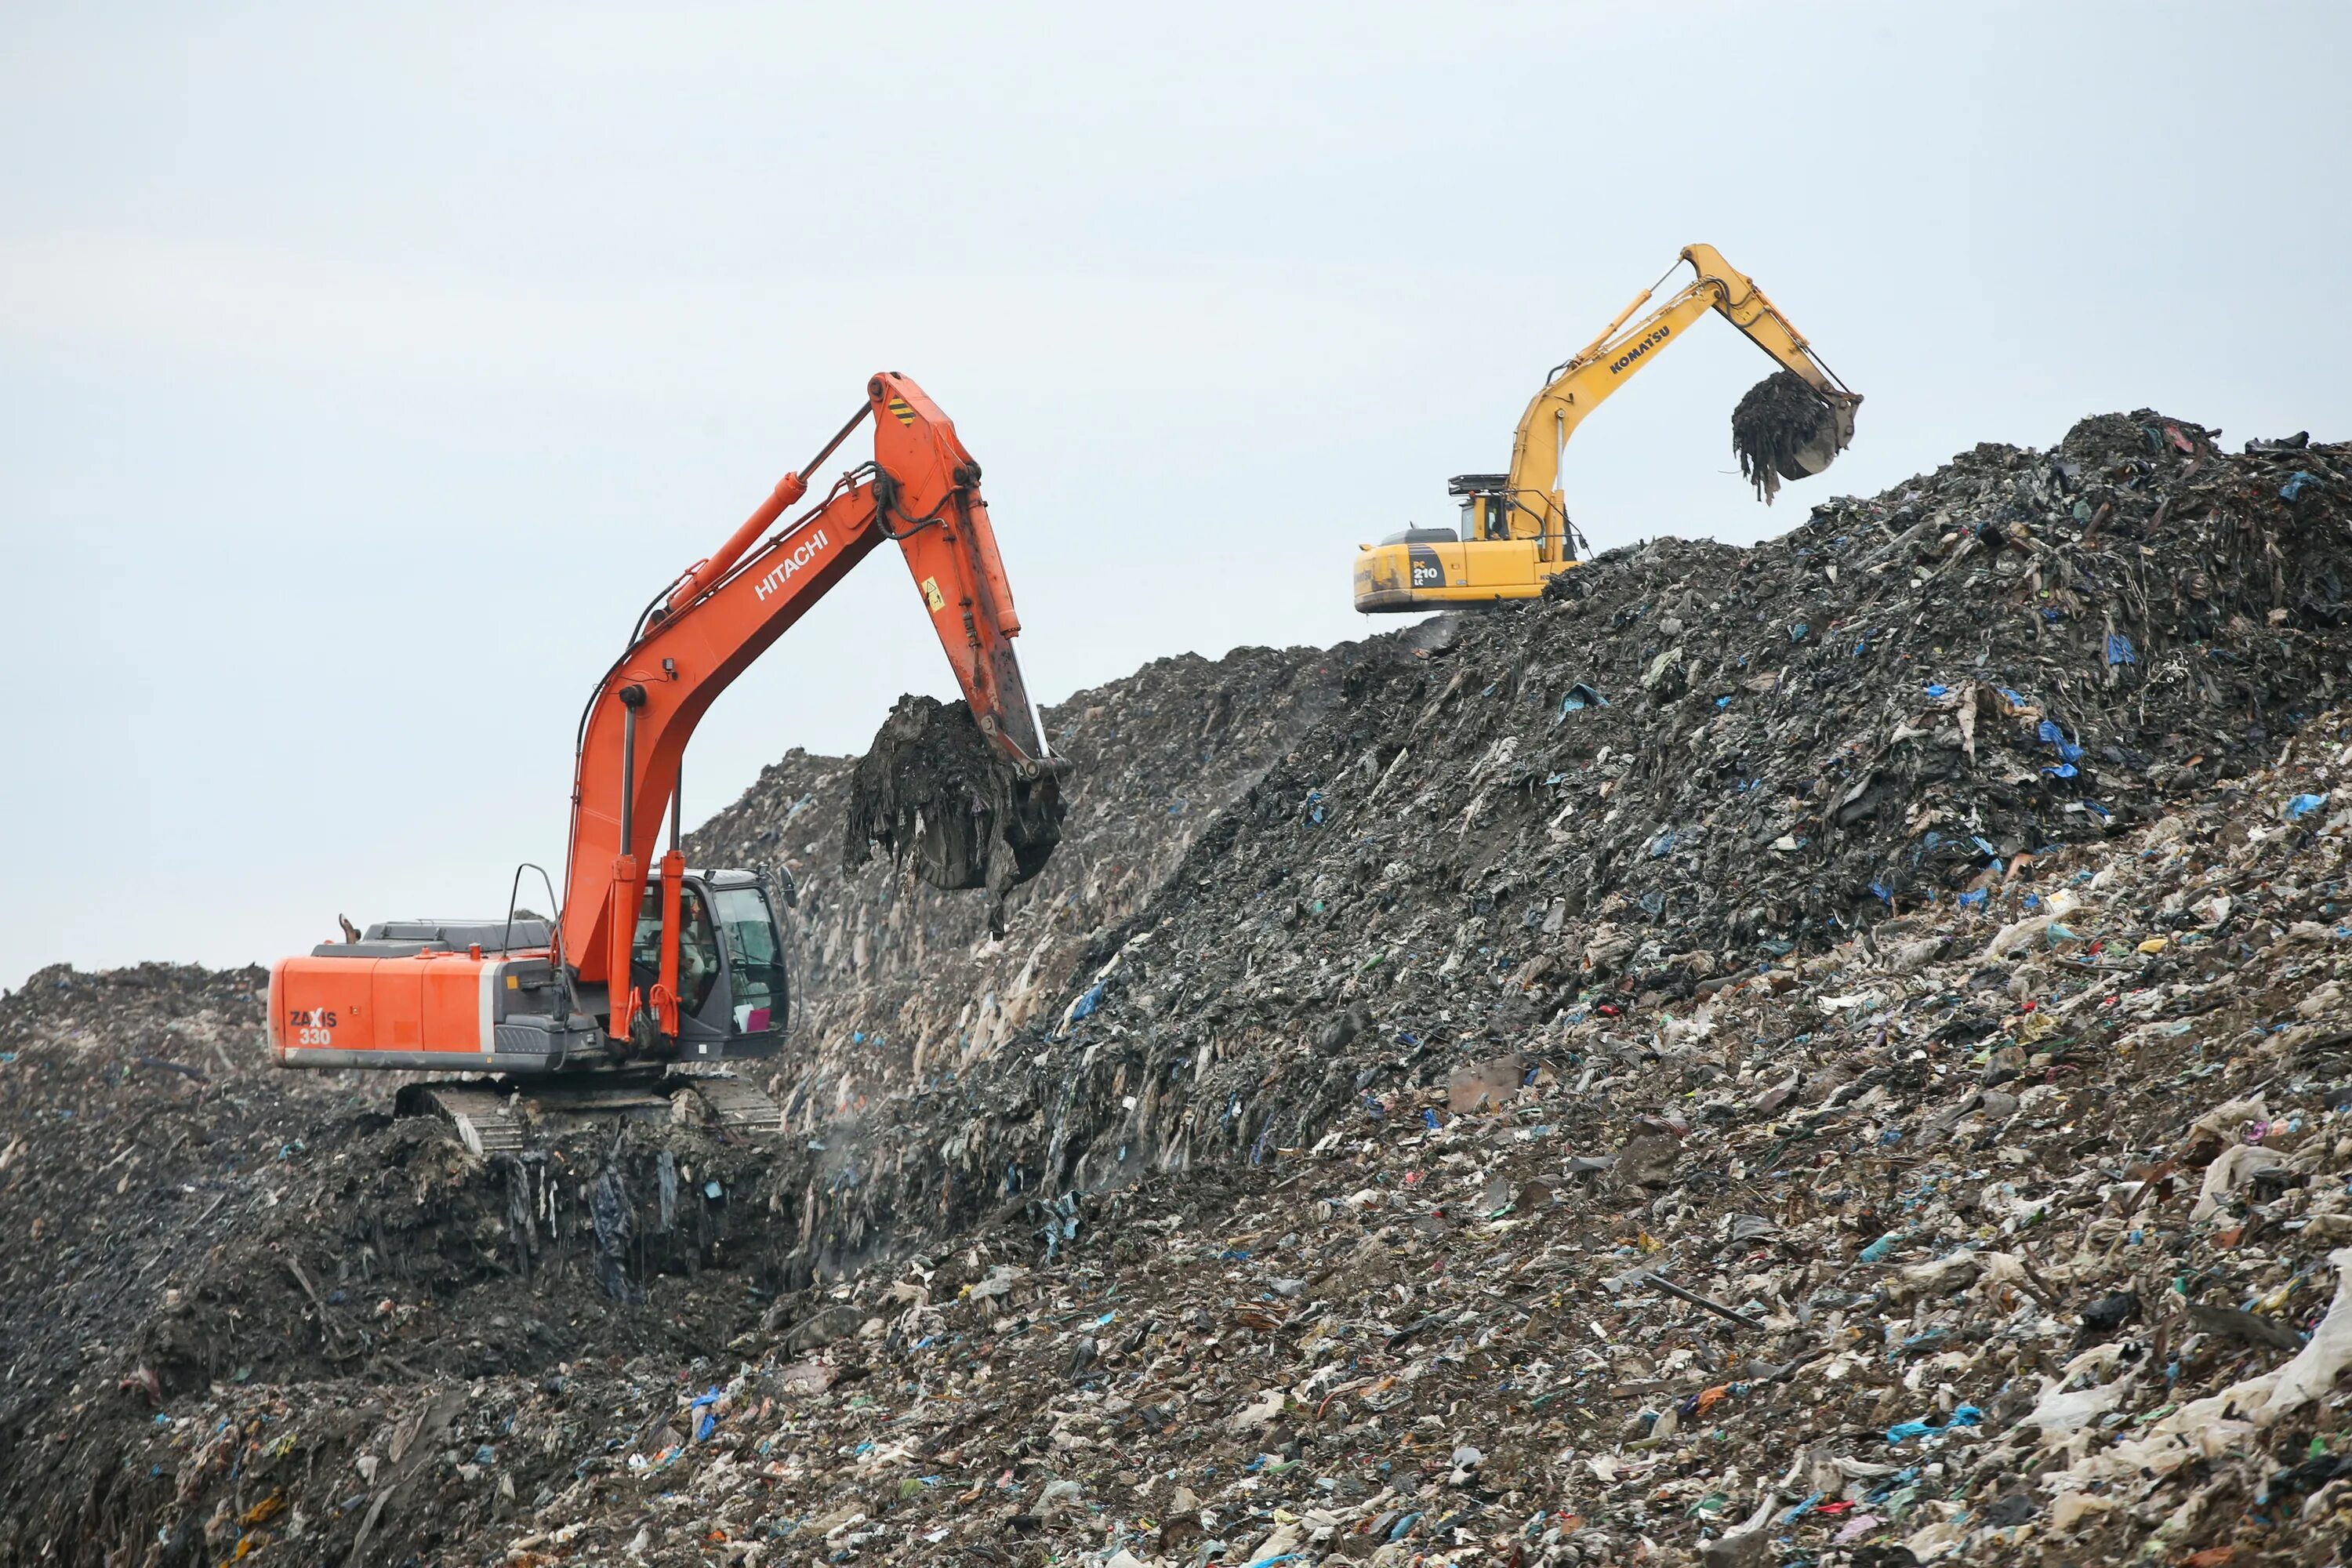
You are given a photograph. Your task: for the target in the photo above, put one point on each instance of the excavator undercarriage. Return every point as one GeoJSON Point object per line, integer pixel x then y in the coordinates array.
{"type": "Point", "coordinates": [494, 1116]}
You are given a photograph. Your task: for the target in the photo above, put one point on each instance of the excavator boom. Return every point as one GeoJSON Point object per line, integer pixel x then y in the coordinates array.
{"type": "Point", "coordinates": [922, 490]}
{"type": "Point", "coordinates": [532, 996]}
{"type": "Point", "coordinates": [1515, 533]}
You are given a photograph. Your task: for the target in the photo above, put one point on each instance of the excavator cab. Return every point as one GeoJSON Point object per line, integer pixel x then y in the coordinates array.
{"type": "Point", "coordinates": [1486, 512]}
{"type": "Point", "coordinates": [733, 999]}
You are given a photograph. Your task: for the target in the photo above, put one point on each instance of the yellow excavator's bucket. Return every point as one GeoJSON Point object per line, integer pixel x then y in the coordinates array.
{"type": "Point", "coordinates": [1833, 435]}
{"type": "Point", "coordinates": [1789, 429]}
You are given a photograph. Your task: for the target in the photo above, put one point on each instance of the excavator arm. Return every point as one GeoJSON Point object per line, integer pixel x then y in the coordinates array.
{"type": "Point", "coordinates": [921, 491]}
{"type": "Point", "coordinates": [1535, 506]}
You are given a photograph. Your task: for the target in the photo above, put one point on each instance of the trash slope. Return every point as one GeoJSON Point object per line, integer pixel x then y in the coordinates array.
{"type": "Point", "coordinates": [1834, 1050]}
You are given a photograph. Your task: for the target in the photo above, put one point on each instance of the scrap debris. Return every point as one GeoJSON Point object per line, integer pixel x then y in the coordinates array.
{"type": "Point", "coordinates": [1875, 1090]}
{"type": "Point", "coordinates": [1775, 419]}
{"type": "Point", "coordinates": [935, 793]}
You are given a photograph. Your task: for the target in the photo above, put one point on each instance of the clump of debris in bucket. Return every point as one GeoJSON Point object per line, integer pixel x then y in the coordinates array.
{"type": "Point", "coordinates": [937, 795]}
{"type": "Point", "coordinates": [1774, 422]}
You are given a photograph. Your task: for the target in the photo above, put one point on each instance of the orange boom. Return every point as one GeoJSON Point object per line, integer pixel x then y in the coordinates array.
{"type": "Point", "coordinates": [651, 962]}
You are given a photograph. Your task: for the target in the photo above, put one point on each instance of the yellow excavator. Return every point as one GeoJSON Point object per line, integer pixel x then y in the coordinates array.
{"type": "Point", "coordinates": [1515, 533]}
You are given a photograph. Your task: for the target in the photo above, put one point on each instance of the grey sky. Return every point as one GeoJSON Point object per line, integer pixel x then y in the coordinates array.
{"type": "Point", "coordinates": [363, 371]}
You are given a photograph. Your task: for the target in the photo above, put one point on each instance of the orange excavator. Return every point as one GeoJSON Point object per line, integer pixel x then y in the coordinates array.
{"type": "Point", "coordinates": [653, 973]}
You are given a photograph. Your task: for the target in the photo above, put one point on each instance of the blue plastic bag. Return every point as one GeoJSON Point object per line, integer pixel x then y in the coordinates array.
{"type": "Point", "coordinates": [1965, 1416]}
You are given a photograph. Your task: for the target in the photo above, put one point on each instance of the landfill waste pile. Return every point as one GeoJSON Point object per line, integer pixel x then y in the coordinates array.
{"type": "Point", "coordinates": [176, 1215]}
{"type": "Point", "coordinates": [1687, 759]}
{"type": "Point", "coordinates": [95, 1072]}
{"type": "Point", "coordinates": [899, 983]}
{"type": "Point", "coordinates": [2016, 1229]}
{"type": "Point", "coordinates": [1830, 1053]}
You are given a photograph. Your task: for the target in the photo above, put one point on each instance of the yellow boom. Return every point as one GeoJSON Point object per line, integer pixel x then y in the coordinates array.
{"type": "Point", "coordinates": [1515, 533]}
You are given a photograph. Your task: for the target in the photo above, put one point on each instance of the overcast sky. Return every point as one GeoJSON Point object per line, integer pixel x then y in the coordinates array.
{"type": "Point", "coordinates": [364, 370]}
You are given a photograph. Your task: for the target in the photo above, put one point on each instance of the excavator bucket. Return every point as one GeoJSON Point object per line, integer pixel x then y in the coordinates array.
{"type": "Point", "coordinates": [1831, 435]}
{"type": "Point", "coordinates": [1784, 429]}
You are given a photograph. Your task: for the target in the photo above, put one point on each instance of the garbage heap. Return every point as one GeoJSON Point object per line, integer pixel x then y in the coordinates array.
{"type": "Point", "coordinates": [179, 1213]}
{"type": "Point", "coordinates": [1830, 1052]}
{"type": "Point", "coordinates": [2013, 1232]}
{"type": "Point", "coordinates": [83, 1059]}
{"type": "Point", "coordinates": [1691, 760]}
{"type": "Point", "coordinates": [902, 985]}
{"type": "Point", "coordinates": [178, 1216]}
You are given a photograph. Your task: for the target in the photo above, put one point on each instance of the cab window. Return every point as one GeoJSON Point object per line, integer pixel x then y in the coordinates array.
{"type": "Point", "coordinates": [748, 929]}
{"type": "Point", "coordinates": [697, 954]}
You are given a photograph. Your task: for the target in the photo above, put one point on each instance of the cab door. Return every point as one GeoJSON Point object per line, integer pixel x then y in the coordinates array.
{"type": "Point", "coordinates": [702, 980]}
{"type": "Point", "coordinates": [755, 1001]}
